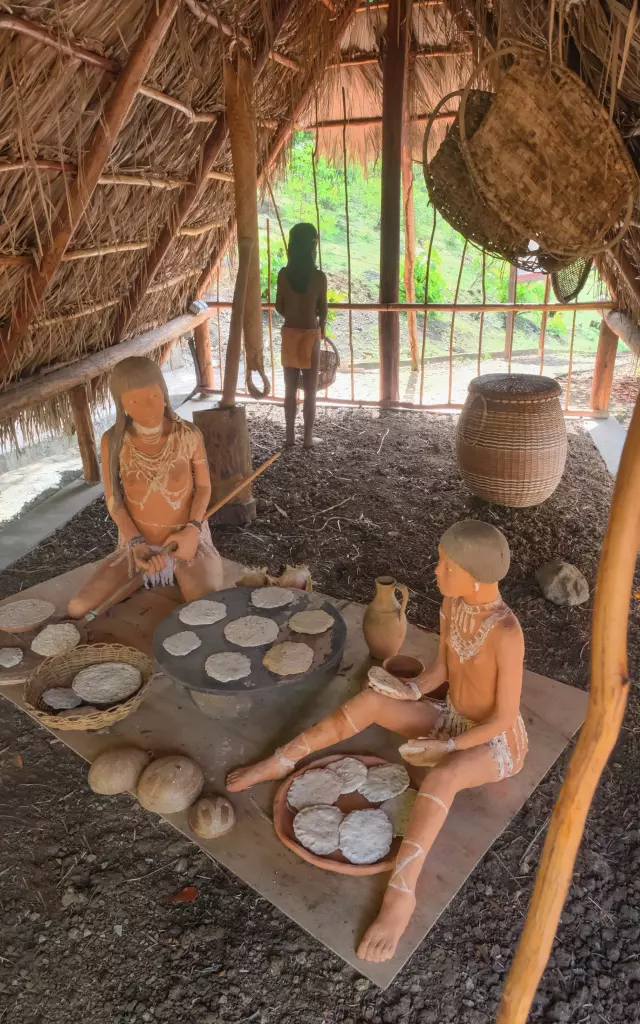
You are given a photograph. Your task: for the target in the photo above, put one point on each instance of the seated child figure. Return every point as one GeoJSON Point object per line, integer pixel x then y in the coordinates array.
{"type": "Point", "coordinates": [474, 737]}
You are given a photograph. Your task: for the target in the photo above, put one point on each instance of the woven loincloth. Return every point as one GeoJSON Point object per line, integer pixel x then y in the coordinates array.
{"type": "Point", "coordinates": [451, 723]}
{"type": "Point", "coordinates": [164, 578]}
{"type": "Point", "coordinates": [297, 347]}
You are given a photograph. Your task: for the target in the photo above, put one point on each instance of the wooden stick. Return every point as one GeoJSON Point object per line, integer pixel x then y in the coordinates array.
{"type": "Point", "coordinates": [543, 321]}
{"type": "Point", "coordinates": [359, 59]}
{"type": "Point", "coordinates": [604, 368]}
{"type": "Point", "coordinates": [484, 296]}
{"type": "Point", "coordinates": [570, 367]}
{"type": "Point", "coordinates": [84, 432]}
{"type": "Point", "coordinates": [277, 213]}
{"type": "Point", "coordinates": [463, 307]}
{"type": "Point", "coordinates": [200, 229]}
{"type": "Point", "coordinates": [147, 181]}
{"type": "Point", "coordinates": [512, 296]}
{"type": "Point", "coordinates": [217, 21]}
{"type": "Point", "coordinates": [365, 122]}
{"type": "Point", "coordinates": [234, 342]}
{"type": "Point", "coordinates": [269, 311]}
{"type": "Point", "coordinates": [241, 486]}
{"type": "Point", "coordinates": [346, 217]}
{"type": "Point", "coordinates": [453, 320]}
{"type": "Point", "coordinates": [607, 701]}
{"type": "Point", "coordinates": [426, 301]}
{"type": "Point", "coordinates": [103, 139]}
{"type": "Point", "coordinates": [220, 176]}
{"type": "Point", "coordinates": [58, 166]}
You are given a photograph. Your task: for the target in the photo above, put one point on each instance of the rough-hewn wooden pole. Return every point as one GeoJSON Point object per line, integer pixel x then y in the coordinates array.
{"type": "Point", "coordinates": [603, 370]}
{"type": "Point", "coordinates": [510, 317]}
{"type": "Point", "coordinates": [607, 701]}
{"type": "Point", "coordinates": [409, 245]}
{"type": "Point", "coordinates": [394, 64]}
{"type": "Point", "coordinates": [89, 171]}
{"type": "Point", "coordinates": [84, 432]}
{"type": "Point", "coordinates": [202, 339]}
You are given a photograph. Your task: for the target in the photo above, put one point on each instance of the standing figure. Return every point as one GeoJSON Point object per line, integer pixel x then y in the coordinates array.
{"type": "Point", "coordinates": [474, 737]}
{"type": "Point", "coordinates": [157, 488]}
{"type": "Point", "coordinates": [301, 299]}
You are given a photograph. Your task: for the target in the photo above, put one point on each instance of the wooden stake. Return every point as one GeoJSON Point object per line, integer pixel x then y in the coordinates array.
{"type": "Point", "coordinates": [202, 338]}
{"type": "Point", "coordinates": [607, 701]}
{"type": "Point", "coordinates": [510, 317]}
{"type": "Point", "coordinates": [426, 302]}
{"type": "Point", "coordinates": [409, 246]}
{"type": "Point", "coordinates": [84, 432]}
{"type": "Point", "coordinates": [393, 96]}
{"type": "Point", "coordinates": [604, 368]}
{"type": "Point", "coordinates": [92, 166]}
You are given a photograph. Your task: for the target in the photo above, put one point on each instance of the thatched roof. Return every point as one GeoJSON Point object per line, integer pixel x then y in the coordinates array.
{"type": "Point", "coordinates": [135, 259]}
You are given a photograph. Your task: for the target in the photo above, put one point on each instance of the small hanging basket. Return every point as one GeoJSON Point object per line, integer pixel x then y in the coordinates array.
{"type": "Point", "coordinates": [456, 197]}
{"type": "Point", "coordinates": [569, 282]}
{"type": "Point", "coordinates": [329, 363]}
{"type": "Point", "coordinates": [546, 159]}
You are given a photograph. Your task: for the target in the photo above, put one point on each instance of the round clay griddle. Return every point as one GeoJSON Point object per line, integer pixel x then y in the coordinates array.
{"type": "Point", "coordinates": [283, 816]}
{"type": "Point", "coordinates": [189, 670]}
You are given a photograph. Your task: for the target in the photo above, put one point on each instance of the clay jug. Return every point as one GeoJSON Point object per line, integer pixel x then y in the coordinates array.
{"type": "Point", "coordinates": [385, 622]}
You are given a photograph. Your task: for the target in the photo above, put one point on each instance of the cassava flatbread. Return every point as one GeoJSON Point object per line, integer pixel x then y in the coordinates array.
{"type": "Point", "coordinates": [251, 631]}
{"type": "Point", "coordinates": [318, 828]}
{"type": "Point", "coordinates": [384, 682]}
{"type": "Point", "coordinates": [351, 772]}
{"type": "Point", "coordinates": [313, 622]}
{"type": "Point", "coordinates": [399, 809]}
{"type": "Point", "coordinates": [271, 597]}
{"type": "Point", "coordinates": [227, 666]}
{"type": "Point", "coordinates": [365, 836]}
{"type": "Point", "coordinates": [81, 712]}
{"type": "Point", "coordinates": [10, 657]}
{"type": "Point", "coordinates": [56, 639]}
{"type": "Point", "coordinates": [288, 659]}
{"type": "Point", "coordinates": [202, 613]}
{"type": "Point", "coordinates": [384, 782]}
{"type": "Point", "coordinates": [317, 786]}
{"type": "Point", "coordinates": [108, 682]}
{"type": "Point", "coordinates": [180, 644]}
{"type": "Point", "coordinates": [61, 698]}
{"type": "Point", "coordinates": [23, 614]}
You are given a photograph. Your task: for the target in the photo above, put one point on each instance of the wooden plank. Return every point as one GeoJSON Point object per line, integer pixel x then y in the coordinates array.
{"type": "Point", "coordinates": [604, 368]}
{"type": "Point", "coordinates": [39, 389]}
{"type": "Point", "coordinates": [80, 191]}
{"type": "Point", "coordinates": [84, 432]}
{"type": "Point", "coordinates": [394, 67]}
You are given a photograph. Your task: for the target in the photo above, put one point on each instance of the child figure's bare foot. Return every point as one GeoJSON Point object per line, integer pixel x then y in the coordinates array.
{"type": "Point", "coordinates": [381, 939]}
{"type": "Point", "coordinates": [263, 771]}
{"type": "Point", "coordinates": [289, 442]}
{"type": "Point", "coordinates": [313, 443]}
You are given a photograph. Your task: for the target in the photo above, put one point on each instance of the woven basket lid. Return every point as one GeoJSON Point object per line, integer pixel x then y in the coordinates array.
{"type": "Point", "coordinates": [514, 386]}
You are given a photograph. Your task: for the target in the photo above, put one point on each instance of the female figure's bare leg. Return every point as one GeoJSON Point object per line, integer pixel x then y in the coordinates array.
{"type": "Point", "coordinates": [200, 576]}
{"type": "Point", "coordinates": [111, 575]}
{"type": "Point", "coordinates": [409, 718]}
{"type": "Point", "coordinates": [291, 381]}
{"type": "Point", "coordinates": [464, 770]}
{"type": "Point", "coordinates": [310, 385]}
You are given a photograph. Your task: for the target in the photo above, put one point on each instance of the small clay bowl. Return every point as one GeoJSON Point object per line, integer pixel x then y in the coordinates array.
{"type": "Point", "coordinates": [402, 666]}
{"type": "Point", "coordinates": [283, 817]}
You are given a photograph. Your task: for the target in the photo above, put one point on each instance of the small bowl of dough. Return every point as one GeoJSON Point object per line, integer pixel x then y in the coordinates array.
{"type": "Point", "coordinates": [110, 679]}
{"type": "Point", "coordinates": [331, 822]}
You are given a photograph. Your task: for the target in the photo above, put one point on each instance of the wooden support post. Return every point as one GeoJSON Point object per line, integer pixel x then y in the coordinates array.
{"type": "Point", "coordinates": [226, 441]}
{"type": "Point", "coordinates": [510, 317]}
{"type": "Point", "coordinates": [202, 339]}
{"type": "Point", "coordinates": [84, 432]}
{"type": "Point", "coordinates": [394, 67]}
{"type": "Point", "coordinates": [409, 246]}
{"type": "Point", "coordinates": [79, 193]}
{"type": "Point", "coordinates": [603, 370]}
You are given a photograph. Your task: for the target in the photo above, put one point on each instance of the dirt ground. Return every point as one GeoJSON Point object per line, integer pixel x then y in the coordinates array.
{"type": "Point", "coordinates": [86, 932]}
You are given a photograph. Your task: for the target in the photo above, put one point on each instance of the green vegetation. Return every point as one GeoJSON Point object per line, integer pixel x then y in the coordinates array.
{"type": "Point", "coordinates": [295, 199]}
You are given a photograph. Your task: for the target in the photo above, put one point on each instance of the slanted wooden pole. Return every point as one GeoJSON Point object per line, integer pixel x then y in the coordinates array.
{"type": "Point", "coordinates": [607, 701]}
{"type": "Point", "coordinates": [409, 246]}
{"type": "Point", "coordinates": [394, 65]}
{"type": "Point", "coordinates": [84, 432]}
{"type": "Point", "coordinates": [202, 339]}
{"type": "Point", "coordinates": [80, 191]}
{"type": "Point", "coordinates": [510, 317]}
{"type": "Point", "coordinates": [603, 370]}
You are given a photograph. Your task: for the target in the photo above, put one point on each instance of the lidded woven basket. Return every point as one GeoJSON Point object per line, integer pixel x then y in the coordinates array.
{"type": "Point", "coordinates": [546, 159]}
{"type": "Point", "coordinates": [511, 440]}
{"type": "Point", "coordinates": [62, 670]}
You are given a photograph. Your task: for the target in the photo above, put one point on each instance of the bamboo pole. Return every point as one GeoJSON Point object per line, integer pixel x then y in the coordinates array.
{"type": "Point", "coordinates": [394, 64]}
{"type": "Point", "coordinates": [604, 368]}
{"type": "Point", "coordinates": [512, 295]}
{"type": "Point", "coordinates": [409, 247]}
{"type": "Point", "coordinates": [607, 701]}
{"type": "Point", "coordinates": [359, 59]}
{"type": "Point", "coordinates": [463, 307]}
{"type": "Point", "coordinates": [348, 230]}
{"type": "Point", "coordinates": [79, 400]}
{"type": "Point", "coordinates": [220, 176]}
{"type": "Point", "coordinates": [104, 136]}
{"type": "Point", "coordinates": [171, 101]}
{"type": "Point", "coordinates": [199, 229]}
{"type": "Point", "coordinates": [425, 314]}
{"type": "Point", "coordinates": [58, 166]}
{"type": "Point", "coordinates": [146, 181]}
{"type": "Point", "coordinates": [453, 320]}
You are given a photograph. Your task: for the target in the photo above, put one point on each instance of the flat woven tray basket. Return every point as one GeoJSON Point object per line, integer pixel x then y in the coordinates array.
{"type": "Point", "coordinates": [62, 670]}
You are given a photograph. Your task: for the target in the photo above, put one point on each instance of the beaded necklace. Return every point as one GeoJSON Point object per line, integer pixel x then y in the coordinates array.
{"type": "Point", "coordinates": [463, 619]}
{"type": "Point", "coordinates": [155, 469]}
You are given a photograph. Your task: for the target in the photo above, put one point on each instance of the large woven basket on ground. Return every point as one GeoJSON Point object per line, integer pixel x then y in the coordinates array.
{"type": "Point", "coordinates": [62, 670]}
{"type": "Point", "coordinates": [512, 439]}
{"type": "Point", "coordinates": [546, 159]}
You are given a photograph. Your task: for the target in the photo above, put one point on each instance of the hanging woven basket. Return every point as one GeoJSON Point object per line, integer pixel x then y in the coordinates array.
{"type": "Point", "coordinates": [455, 196]}
{"type": "Point", "coordinates": [546, 159]}
{"type": "Point", "coordinates": [329, 363]}
{"type": "Point", "coordinates": [569, 282]}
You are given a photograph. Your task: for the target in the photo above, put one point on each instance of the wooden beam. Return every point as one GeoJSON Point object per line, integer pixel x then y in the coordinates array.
{"type": "Point", "coordinates": [217, 21]}
{"type": "Point", "coordinates": [457, 307]}
{"type": "Point", "coordinates": [84, 432]}
{"type": "Point", "coordinates": [184, 108]}
{"type": "Point", "coordinates": [81, 190]}
{"type": "Point", "coordinates": [604, 368]}
{"type": "Point", "coordinates": [394, 68]}
{"type": "Point", "coordinates": [191, 192]}
{"type": "Point", "coordinates": [48, 384]}
{"type": "Point", "coordinates": [382, 5]}
{"type": "Point", "coordinates": [445, 50]}
{"type": "Point", "coordinates": [365, 122]}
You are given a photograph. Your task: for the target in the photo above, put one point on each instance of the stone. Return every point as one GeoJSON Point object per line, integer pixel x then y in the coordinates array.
{"type": "Point", "coordinates": [562, 583]}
